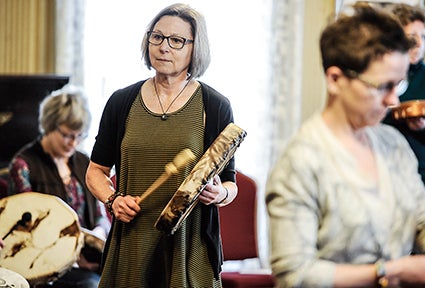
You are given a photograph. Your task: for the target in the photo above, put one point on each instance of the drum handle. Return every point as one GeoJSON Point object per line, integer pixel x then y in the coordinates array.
{"type": "Point", "coordinates": [180, 160]}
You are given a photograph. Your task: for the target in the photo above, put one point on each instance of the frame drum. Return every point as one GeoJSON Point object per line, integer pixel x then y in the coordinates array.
{"type": "Point", "coordinates": [9, 278]}
{"type": "Point", "coordinates": [409, 109]}
{"type": "Point", "coordinates": [212, 162]}
{"type": "Point", "coordinates": [42, 236]}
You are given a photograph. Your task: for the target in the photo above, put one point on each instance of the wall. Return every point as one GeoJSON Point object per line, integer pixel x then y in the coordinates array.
{"type": "Point", "coordinates": [27, 36]}
{"type": "Point", "coordinates": [316, 16]}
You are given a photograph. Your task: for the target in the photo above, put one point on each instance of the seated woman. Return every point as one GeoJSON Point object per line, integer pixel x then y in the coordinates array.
{"type": "Point", "coordinates": [346, 202]}
{"type": "Point", "coordinates": [51, 164]}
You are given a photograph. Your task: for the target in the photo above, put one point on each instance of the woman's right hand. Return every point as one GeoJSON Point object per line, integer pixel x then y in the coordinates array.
{"type": "Point", "coordinates": [126, 208]}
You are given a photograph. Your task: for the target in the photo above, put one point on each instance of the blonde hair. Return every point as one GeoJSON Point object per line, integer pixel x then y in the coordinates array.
{"type": "Point", "coordinates": [66, 106]}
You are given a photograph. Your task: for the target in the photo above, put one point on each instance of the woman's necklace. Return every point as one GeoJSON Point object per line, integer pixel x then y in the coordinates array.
{"type": "Point", "coordinates": [164, 113]}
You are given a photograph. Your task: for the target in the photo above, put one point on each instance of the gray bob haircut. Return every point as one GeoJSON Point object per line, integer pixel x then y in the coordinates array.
{"type": "Point", "coordinates": [201, 51]}
{"type": "Point", "coordinates": [66, 106]}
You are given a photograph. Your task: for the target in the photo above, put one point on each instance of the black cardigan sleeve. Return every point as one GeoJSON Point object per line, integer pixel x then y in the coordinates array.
{"type": "Point", "coordinates": [106, 150]}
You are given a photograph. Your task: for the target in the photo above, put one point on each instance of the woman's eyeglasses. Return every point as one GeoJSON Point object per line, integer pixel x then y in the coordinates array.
{"type": "Point", "coordinates": [175, 42]}
{"type": "Point", "coordinates": [72, 136]}
{"type": "Point", "coordinates": [383, 88]}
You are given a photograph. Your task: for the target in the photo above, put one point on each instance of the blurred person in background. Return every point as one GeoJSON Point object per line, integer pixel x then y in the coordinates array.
{"type": "Point", "coordinates": [345, 199]}
{"type": "Point", "coordinates": [51, 164]}
{"type": "Point", "coordinates": [412, 18]}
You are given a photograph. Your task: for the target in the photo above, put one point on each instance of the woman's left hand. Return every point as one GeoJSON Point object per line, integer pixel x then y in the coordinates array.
{"type": "Point", "coordinates": [214, 192]}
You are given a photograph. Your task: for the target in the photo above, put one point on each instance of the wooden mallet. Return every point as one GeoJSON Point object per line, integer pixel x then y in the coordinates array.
{"type": "Point", "coordinates": [181, 160]}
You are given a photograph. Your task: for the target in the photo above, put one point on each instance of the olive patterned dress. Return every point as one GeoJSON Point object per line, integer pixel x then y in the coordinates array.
{"type": "Point", "coordinates": [156, 259]}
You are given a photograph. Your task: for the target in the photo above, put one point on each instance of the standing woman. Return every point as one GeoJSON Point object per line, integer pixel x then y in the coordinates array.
{"type": "Point", "coordinates": [143, 127]}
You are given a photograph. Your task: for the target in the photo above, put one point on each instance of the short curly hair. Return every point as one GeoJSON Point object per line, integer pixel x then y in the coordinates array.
{"type": "Point", "coordinates": [353, 41]}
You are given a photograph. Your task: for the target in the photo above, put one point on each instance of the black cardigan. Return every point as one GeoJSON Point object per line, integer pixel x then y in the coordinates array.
{"type": "Point", "coordinates": [106, 150]}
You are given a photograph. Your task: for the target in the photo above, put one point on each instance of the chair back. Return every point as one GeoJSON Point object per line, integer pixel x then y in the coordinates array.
{"type": "Point", "coordinates": [238, 221]}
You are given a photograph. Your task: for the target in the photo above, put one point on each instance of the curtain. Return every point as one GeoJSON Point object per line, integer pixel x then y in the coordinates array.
{"type": "Point", "coordinates": [69, 40]}
{"type": "Point", "coordinates": [283, 114]}
{"type": "Point", "coordinates": [286, 67]}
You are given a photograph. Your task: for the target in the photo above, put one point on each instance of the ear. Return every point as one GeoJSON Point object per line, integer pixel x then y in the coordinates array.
{"type": "Point", "coordinates": [333, 75]}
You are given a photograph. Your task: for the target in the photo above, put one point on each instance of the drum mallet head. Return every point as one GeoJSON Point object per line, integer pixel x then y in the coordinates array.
{"type": "Point", "coordinates": [181, 160]}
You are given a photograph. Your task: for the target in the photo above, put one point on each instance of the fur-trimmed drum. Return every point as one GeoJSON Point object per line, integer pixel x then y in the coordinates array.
{"type": "Point", "coordinates": [42, 236]}
{"type": "Point", "coordinates": [211, 163]}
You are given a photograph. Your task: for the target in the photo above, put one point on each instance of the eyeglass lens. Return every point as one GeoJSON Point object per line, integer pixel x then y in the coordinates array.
{"type": "Point", "coordinates": [399, 87]}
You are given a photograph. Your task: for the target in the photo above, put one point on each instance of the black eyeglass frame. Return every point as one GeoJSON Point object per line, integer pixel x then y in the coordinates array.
{"type": "Point", "coordinates": [183, 40]}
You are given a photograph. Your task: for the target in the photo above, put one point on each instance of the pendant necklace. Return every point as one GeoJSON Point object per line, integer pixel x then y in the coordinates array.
{"type": "Point", "coordinates": [164, 113]}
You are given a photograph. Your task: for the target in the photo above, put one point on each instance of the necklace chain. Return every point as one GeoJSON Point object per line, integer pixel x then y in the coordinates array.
{"type": "Point", "coordinates": [164, 113]}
